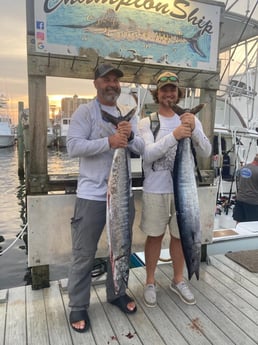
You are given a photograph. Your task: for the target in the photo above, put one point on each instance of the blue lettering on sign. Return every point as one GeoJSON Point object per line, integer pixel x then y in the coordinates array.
{"type": "Point", "coordinates": [246, 173]}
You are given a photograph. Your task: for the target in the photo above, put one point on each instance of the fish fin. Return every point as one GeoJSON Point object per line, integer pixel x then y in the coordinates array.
{"type": "Point", "coordinates": [181, 111]}
{"type": "Point", "coordinates": [193, 41]}
{"type": "Point", "coordinates": [109, 118]}
{"type": "Point", "coordinates": [129, 115]}
{"type": "Point", "coordinates": [198, 108]}
{"type": "Point", "coordinates": [177, 109]}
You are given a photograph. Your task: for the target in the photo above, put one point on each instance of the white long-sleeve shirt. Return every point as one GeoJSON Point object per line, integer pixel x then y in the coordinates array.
{"type": "Point", "coordinates": [87, 139]}
{"type": "Point", "coordinates": [159, 155]}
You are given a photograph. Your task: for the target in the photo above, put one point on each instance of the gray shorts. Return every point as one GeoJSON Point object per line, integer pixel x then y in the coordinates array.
{"type": "Point", "coordinates": [158, 212]}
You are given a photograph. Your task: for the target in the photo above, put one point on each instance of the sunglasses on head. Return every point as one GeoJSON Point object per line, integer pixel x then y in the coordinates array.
{"type": "Point", "coordinates": [172, 78]}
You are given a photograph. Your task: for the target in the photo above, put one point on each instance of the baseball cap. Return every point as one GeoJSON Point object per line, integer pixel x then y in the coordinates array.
{"type": "Point", "coordinates": [167, 78]}
{"type": "Point", "coordinates": [104, 69]}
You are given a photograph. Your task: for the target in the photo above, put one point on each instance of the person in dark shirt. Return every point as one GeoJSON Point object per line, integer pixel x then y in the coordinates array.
{"type": "Point", "coordinates": [246, 208]}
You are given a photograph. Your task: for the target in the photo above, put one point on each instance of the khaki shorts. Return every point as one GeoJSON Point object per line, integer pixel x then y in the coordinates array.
{"type": "Point", "coordinates": [158, 212]}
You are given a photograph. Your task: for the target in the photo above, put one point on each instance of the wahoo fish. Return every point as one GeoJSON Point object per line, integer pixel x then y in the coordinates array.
{"type": "Point", "coordinates": [117, 213]}
{"type": "Point", "coordinates": [186, 200]}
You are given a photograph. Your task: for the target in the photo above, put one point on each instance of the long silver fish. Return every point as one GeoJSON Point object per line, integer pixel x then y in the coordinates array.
{"type": "Point", "coordinates": [186, 200]}
{"type": "Point", "coordinates": [117, 213]}
{"type": "Point", "coordinates": [118, 218]}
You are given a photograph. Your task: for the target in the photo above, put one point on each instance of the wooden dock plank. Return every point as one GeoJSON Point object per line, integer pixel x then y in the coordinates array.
{"type": "Point", "coordinates": [77, 338]}
{"type": "Point", "coordinates": [239, 326]}
{"type": "Point", "coordinates": [235, 287]}
{"type": "Point", "coordinates": [16, 317]}
{"type": "Point", "coordinates": [221, 316]}
{"type": "Point", "coordinates": [3, 295]}
{"type": "Point", "coordinates": [252, 277]}
{"type": "Point", "coordinates": [229, 295]}
{"type": "Point", "coordinates": [144, 327]}
{"type": "Point", "coordinates": [167, 301]}
{"type": "Point", "coordinates": [37, 331]}
{"type": "Point", "coordinates": [121, 325]}
{"type": "Point", "coordinates": [59, 332]}
{"type": "Point", "coordinates": [3, 306]}
{"type": "Point", "coordinates": [158, 318]}
{"type": "Point", "coordinates": [199, 321]}
{"type": "Point", "coordinates": [101, 327]}
{"type": "Point", "coordinates": [234, 275]}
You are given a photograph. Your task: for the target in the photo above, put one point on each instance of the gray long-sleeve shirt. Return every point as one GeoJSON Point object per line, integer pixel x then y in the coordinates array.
{"type": "Point", "coordinates": [87, 139]}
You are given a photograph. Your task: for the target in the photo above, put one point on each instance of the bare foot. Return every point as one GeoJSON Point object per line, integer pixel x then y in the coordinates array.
{"type": "Point", "coordinates": [79, 324]}
{"type": "Point", "coordinates": [131, 306]}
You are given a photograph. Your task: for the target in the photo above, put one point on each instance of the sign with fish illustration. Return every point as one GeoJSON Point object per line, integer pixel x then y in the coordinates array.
{"type": "Point", "coordinates": [180, 33]}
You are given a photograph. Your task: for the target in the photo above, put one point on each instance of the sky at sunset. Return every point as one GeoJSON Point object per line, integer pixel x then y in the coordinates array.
{"type": "Point", "coordinates": [13, 62]}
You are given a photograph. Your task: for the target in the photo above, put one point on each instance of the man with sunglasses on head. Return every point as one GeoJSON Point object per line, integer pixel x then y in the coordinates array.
{"type": "Point", "coordinates": [93, 139]}
{"type": "Point", "coordinates": [158, 208]}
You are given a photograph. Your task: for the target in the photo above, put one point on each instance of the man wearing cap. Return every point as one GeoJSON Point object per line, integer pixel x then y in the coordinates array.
{"type": "Point", "coordinates": [158, 209]}
{"type": "Point", "coordinates": [246, 207]}
{"type": "Point", "coordinates": [93, 139]}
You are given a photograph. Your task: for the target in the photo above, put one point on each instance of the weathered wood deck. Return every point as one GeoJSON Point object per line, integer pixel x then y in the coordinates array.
{"type": "Point", "coordinates": [226, 312]}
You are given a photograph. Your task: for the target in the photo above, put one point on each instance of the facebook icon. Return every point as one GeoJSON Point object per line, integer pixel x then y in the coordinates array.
{"type": "Point", "coordinates": [40, 25]}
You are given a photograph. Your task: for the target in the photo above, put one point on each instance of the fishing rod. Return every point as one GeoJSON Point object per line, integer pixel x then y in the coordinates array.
{"type": "Point", "coordinates": [248, 151]}
{"type": "Point", "coordinates": [227, 206]}
{"type": "Point", "coordinates": [219, 162]}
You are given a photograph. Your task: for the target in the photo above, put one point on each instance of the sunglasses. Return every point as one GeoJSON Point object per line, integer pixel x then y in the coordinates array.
{"type": "Point", "coordinates": [168, 78]}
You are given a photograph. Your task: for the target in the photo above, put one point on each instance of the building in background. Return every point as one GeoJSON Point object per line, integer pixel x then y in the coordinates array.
{"type": "Point", "coordinates": [69, 104]}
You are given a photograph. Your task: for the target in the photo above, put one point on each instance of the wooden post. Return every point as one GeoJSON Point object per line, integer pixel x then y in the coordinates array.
{"type": "Point", "coordinates": [37, 176]}
{"type": "Point", "coordinates": [40, 277]}
{"type": "Point", "coordinates": [37, 135]}
{"type": "Point", "coordinates": [207, 118]}
{"type": "Point", "coordinates": [20, 143]}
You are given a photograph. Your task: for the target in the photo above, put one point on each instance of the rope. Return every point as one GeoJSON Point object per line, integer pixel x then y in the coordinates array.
{"type": "Point", "coordinates": [12, 244]}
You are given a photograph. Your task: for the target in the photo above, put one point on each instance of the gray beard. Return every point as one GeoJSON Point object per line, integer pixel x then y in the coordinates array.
{"type": "Point", "coordinates": [111, 98]}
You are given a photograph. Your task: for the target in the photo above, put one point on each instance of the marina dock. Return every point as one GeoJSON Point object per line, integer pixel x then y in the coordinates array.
{"type": "Point", "coordinates": [226, 311]}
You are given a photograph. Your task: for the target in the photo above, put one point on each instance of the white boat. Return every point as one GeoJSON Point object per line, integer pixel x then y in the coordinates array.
{"type": "Point", "coordinates": [50, 130]}
{"type": "Point", "coordinates": [7, 133]}
{"type": "Point", "coordinates": [62, 130]}
{"type": "Point", "coordinates": [50, 136]}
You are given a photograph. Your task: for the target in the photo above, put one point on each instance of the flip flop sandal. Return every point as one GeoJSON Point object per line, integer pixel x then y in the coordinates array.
{"type": "Point", "coordinates": [121, 302]}
{"type": "Point", "coordinates": [79, 315]}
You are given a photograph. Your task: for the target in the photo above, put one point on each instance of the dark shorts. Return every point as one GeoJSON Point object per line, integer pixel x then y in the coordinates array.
{"type": "Point", "coordinates": [244, 212]}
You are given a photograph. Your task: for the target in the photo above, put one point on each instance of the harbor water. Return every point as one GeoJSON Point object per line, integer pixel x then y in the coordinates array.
{"type": "Point", "coordinates": [14, 270]}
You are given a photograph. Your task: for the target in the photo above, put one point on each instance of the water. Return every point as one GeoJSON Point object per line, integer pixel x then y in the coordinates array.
{"type": "Point", "coordinates": [13, 263]}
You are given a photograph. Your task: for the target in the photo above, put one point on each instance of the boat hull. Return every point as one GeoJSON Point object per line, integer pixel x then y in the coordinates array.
{"type": "Point", "coordinates": [7, 140]}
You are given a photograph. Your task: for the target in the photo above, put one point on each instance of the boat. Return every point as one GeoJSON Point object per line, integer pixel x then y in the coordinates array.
{"type": "Point", "coordinates": [62, 130]}
{"type": "Point", "coordinates": [7, 132]}
{"type": "Point", "coordinates": [7, 129]}
{"type": "Point", "coordinates": [235, 141]}
{"type": "Point", "coordinates": [50, 135]}
{"type": "Point", "coordinates": [50, 129]}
